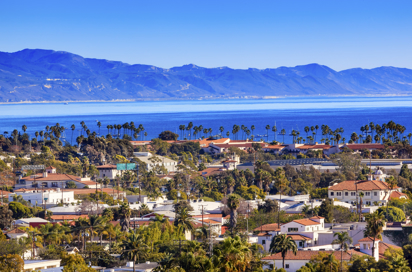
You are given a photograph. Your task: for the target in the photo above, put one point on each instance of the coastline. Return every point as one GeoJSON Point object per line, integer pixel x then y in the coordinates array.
{"type": "Point", "coordinates": [198, 99]}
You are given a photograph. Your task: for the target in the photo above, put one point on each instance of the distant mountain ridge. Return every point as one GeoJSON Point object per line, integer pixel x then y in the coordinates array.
{"type": "Point", "coordinates": [47, 75]}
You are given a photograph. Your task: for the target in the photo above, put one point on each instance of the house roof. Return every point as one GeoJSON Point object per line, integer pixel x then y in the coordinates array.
{"type": "Point", "coordinates": [396, 194]}
{"type": "Point", "coordinates": [53, 177]}
{"type": "Point", "coordinates": [107, 166]}
{"type": "Point", "coordinates": [368, 239]}
{"type": "Point", "coordinates": [209, 171]}
{"type": "Point", "coordinates": [88, 182]}
{"type": "Point", "coordinates": [206, 142]}
{"type": "Point", "coordinates": [363, 185]}
{"type": "Point", "coordinates": [277, 147]}
{"type": "Point", "coordinates": [298, 237]}
{"type": "Point", "coordinates": [317, 217]}
{"type": "Point", "coordinates": [209, 221]}
{"type": "Point", "coordinates": [306, 222]}
{"type": "Point", "coordinates": [263, 234]}
{"type": "Point", "coordinates": [5, 193]}
{"type": "Point", "coordinates": [68, 217]}
{"type": "Point", "coordinates": [109, 191]}
{"type": "Point", "coordinates": [364, 146]}
{"type": "Point", "coordinates": [319, 146]}
{"type": "Point", "coordinates": [16, 231]}
{"type": "Point", "coordinates": [383, 247]}
{"type": "Point", "coordinates": [268, 227]}
{"type": "Point", "coordinates": [308, 254]}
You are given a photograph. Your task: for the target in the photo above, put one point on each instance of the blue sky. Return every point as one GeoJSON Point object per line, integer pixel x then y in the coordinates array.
{"type": "Point", "coordinates": [238, 34]}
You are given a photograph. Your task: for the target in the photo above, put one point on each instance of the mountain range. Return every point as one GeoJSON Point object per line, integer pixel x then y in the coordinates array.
{"type": "Point", "coordinates": [47, 75]}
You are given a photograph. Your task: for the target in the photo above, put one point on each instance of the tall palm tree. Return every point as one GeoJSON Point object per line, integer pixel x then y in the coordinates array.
{"type": "Point", "coordinates": [99, 124]}
{"type": "Point", "coordinates": [134, 247]}
{"type": "Point", "coordinates": [361, 195]}
{"type": "Point", "coordinates": [233, 203]}
{"type": "Point", "coordinates": [374, 228]}
{"type": "Point", "coordinates": [267, 131]}
{"type": "Point", "coordinates": [233, 255]}
{"type": "Point", "coordinates": [125, 213]}
{"type": "Point", "coordinates": [330, 260]}
{"type": "Point", "coordinates": [343, 240]}
{"type": "Point", "coordinates": [283, 243]}
{"type": "Point", "coordinates": [184, 220]}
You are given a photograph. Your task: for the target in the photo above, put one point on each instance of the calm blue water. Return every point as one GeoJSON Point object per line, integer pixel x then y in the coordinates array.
{"type": "Point", "coordinates": [289, 113]}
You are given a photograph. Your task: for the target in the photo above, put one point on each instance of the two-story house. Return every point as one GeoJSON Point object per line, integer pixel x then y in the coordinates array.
{"type": "Point", "coordinates": [373, 191]}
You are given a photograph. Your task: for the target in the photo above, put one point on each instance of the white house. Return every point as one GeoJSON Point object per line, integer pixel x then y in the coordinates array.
{"type": "Point", "coordinates": [44, 196]}
{"type": "Point", "coordinates": [108, 170]}
{"type": "Point", "coordinates": [51, 179]}
{"type": "Point", "coordinates": [374, 191]}
{"type": "Point", "coordinates": [153, 161]}
{"type": "Point", "coordinates": [16, 233]}
{"type": "Point", "coordinates": [36, 265]}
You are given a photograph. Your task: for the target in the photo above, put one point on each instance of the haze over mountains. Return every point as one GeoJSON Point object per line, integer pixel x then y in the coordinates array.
{"type": "Point", "coordinates": [47, 75]}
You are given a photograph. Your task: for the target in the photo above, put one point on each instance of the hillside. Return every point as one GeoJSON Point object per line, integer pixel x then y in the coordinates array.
{"type": "Point", "coordinates": [47, 75]}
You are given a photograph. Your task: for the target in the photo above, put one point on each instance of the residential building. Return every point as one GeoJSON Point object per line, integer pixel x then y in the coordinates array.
{"type": "Point", "coordinates": [36, 265]}
{"type": "Point", "coordinates": [51, 179]}
{"type": "Point", "coordinates": [156, 161]}
{"type": "Point", "coordinates": [37, 196]}
{"type": "Point", "coordinates": [294, 262]}
{"type": "Point", "coordinates": [16, 233]}
{"type": "Point", "coordinates": [108, 170]}
{"type": "Point", "coordinates": [33, 222]}
{"type": "Point", "coordinates": [374, 191]}
{"type": "Point", "coordinates": [305, 148]}
{"type": "Point", "coordinates": [116, 194]}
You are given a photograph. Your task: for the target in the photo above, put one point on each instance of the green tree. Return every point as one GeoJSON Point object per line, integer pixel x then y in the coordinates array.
{"type": "Point", "coordinates": [233, 203]}
{"type": "Point", "coordinates": [374, 227]}
{"type": "Point", "coordinates": [11, 263]}
{"type": "Point", "coordinates": [134, 247]}
{"type": "Point", "coordinates": [343, 240]}
{"type": "Point", "coordinates": [326, 210]}
{"type": "Point", "coordinates": [392, 214]}
{"type": "Point", "coordinates": [167, 135]}
{"type": "Point", "coordinates": [6, 217]}
{"type": "Point", "coordinates": [283, 243]}
{"type": "Point", "coordinates": [19, 210]}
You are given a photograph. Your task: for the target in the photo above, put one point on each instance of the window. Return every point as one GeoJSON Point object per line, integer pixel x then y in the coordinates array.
{"type": "Point", "coordinates": [367, 193]}
{"type": "Point", "coordinates": [364, 246]}
{"type": "Point", "coordinates": [331, 193]}
{"type": "Point", "coordinates": [263, 242]}
{"type": "Point", "coordinates": [54, 184]}
{"type": "Point", "coordinates": [286, 265]}
{"type": "Point", "coordinates": [352, 194]}
{"type": "Point", "coordinates": [375, 193]}
{"type": "Point", "coordinates": [292, 229]}
{"type": "Point", "coordinates": [346, 193]}
{"type": "Point", "coordinates": [301, 244]}
{"type": "Point", "coordinates": [338, 193]}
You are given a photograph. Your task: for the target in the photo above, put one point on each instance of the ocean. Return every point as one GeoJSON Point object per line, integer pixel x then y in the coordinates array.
{"type": "Point", "coordinates": [349, 113]}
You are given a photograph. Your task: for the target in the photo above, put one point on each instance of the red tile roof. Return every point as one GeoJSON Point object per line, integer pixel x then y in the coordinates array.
{"type": "Point", "coordinates": [210, 171]}
{"type": "Point", "coordinates": [68, 217]}
{"type": "Point", "coordinates": [317, 217]}
{"type": "Point", "coordinates": [364, 146]}
{"type": "Point", "coordinates": [277, 147]}
{"type": "Point", "coordinates": [89, 191]}
{"type": "Point", "coordinates": [107, 166]}
{"type": "Point", "coordinates": [5, 193]}
{"type": "Point", "coordinates": [397, 194]}
{"type": "Point", "coordinates": [263, 234]}
{"type": "Point", "coordinates": [53, 177]}
{"type": "Point", "coordinates": [209, 221]}
{"type": "Point", "coordinates": [298, 237]}
{"type": "Point", "coordinates": [16, 231]}
{"type": "Point", "coordinates": [306, 147]}
{"type": "Point", "coordinates": [308, 254]}
{"type": "Point", "coordinates": [367, 239]}
{"type": "Point", "coordinates": [363, 185]}
{"type": "Point", "coordinates": [268, 227]}
{"type": "Point", "coordinates": [383, 247]}
{"type": "Point", "coordinates": [306, 222]}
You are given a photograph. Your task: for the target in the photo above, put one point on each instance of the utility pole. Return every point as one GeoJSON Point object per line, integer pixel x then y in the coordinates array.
{"type": "Point", "coordinates": [32, 242]}
{"type": "Point", "coordinates": [211, 241]}
{"type": "Point", "coordinates": [247, 221]}
{"type": "Point", "coordinates": [202, 215]}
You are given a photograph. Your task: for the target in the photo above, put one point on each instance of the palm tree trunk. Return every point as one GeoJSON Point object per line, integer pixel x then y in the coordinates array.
{"type": "Point", "coordinates": [134, 263]}
{"type": "Point", "coordinates": [341, 260]}
{"type": "Point", "coordinates": [283, 262]}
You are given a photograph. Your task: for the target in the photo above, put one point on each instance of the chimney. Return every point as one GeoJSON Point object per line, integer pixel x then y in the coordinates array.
{"type": "Point", "coordinates": [44, 174]}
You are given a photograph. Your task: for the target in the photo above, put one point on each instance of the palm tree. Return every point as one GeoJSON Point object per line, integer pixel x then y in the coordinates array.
{"type": "Point", "coordinates": [221, 129]}
{"type": "Point", "coordinates": [134, 247]}
{"type": "Point", "coordinates": [233, 203]}
{"type": "Point", "coordinates": [125, 213]}
{"type": "Point", "coordinates": [283, 243]}
{"type": "Point", "coordinates": [99, 124]}
{"type": "Point", "coordinates": [330, 260]}
{"type": "Point", "coordinates": [343, 240]}
{"type": "Point", "coordinates": [233, 255]}
{"type": "Point", "coordinates": [94, 224]}
{"type": "Point", "coordinates": [267, 131]}
{"type": "Point", "coordinates": [253, 128]}
{"type": "Point", "coordinates": [374, 228]}
{"type": "Point", "coordinates": [24, 128]}
{"type": "Point", "coordinates": [361, 195]}
{"type": "Point", "coordinates": [184, 220]}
